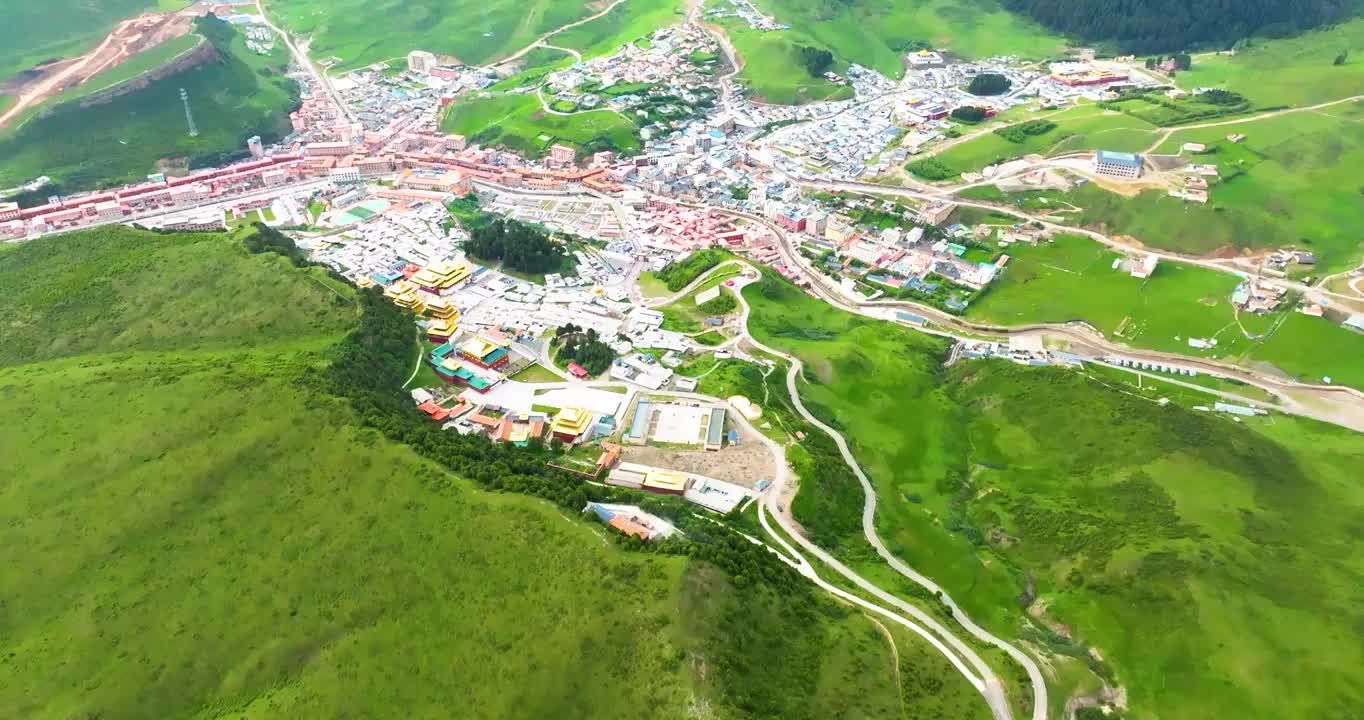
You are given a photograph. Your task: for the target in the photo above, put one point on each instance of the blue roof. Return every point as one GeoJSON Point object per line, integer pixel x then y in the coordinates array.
{"type": "Point", "coordinates": [1119, 158]}
{"type": "Point", "coordinates": [910, 317]}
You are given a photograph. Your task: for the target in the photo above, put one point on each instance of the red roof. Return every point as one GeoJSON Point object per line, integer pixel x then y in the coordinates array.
{"type": "Point", "coordinates": [577, 370]}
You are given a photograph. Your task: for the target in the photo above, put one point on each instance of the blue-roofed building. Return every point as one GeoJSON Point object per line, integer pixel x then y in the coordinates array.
{"type": "Point", "coordinates": [1118, 164]}
{"type": "Point", "coordinates": [911, 318]}
{"type": "Point", "coordinates": [387, 278]}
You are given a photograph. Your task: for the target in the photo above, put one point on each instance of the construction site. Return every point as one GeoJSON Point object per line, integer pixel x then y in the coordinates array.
{"type": "Point", "coordinates": [44, 82]}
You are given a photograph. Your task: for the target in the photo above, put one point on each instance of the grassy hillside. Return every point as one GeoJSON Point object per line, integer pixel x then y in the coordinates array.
{"type": "Point", "coordinates": [1072, 278]}
{"type": "Point", "coordinates": [877, 34]}
{"type": "Point", "coordinates": [519, 123]}
{"type": "Point", "coordinates": [241, 95]}
{"type": "Point", "coordinates": [1086, 127]}
{"type": "Point", "coordinates": [1192, 552]}
{"type": "Point", "coordinates": [208, 534]}
{"type": "Point", "coordinates": [1299, 70]}
{"type": "Point", "coordinates": [474, 32]}
{"type": "Point", "coordinates": [1290, 183]}
{"type": "Point", "coordinates": [36, 31]}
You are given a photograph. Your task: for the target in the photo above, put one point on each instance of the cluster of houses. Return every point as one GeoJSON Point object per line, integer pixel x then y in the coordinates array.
{"type": "Point", "coordinates": [1254, 295]}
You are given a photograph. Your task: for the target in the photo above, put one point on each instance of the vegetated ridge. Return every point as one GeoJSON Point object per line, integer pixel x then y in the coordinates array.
{"type": "Point", "coordinates": [1149, 26]}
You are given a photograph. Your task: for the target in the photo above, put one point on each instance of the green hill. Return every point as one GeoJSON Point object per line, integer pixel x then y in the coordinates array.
{"type": "Point", "coordinates": [36, 31]}
{"type": "Point", "coordinates": [475, 32]}
{"type": "Point", "coordinates": [207, 531]}
{"type": "Point", "coordinates": [1192, 552]}
{"type": "Point", "coordinates": [239, 95]}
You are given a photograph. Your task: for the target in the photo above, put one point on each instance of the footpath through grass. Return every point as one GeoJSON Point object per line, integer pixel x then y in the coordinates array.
{"type": "Point", "coordinates": [1193, 552]}
{"type": "Point", "coordinates": [245, 545]}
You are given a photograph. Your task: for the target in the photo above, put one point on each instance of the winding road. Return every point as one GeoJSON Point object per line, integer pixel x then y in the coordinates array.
{"type": "Point", "coordinates": [990, 686]}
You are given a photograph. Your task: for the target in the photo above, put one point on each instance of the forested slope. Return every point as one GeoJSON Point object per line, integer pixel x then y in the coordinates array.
{"type": "Point", "coordinates": [1149, 26]}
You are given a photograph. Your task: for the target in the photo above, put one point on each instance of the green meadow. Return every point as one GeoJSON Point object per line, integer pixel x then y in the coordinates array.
{"type": "Point", "coordinates": [1290, 183]}
{"type": "Point", "coordinates": [772, 69]}
{"type": "Point", "coordinates": [518, 122]}
{"type": "Point", "coordinates": [144, 131]}
{"type": "Point", "coordinates": [878, 34]}
{"type": "Point", "coordinates": [626, 22]}
{"type": "Point", "coordinates": [1292, 71]}
{"type": "Point", "coordinates": [31, 35]}
{"type": "Point", "coordinates": [475, 32]}
{"type": "Point", "coordinates": [1190, 552]}
{"type": "Point", "coordinates": [1072, 279]}
{"type": "Point", "coordinates": [207, 533]}
{"type": "Point", "coordinates": [1085, 127]}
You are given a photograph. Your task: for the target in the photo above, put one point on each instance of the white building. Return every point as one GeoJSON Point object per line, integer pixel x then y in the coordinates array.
{"type": "Point", "coordinates": [1118, 164]}
{"type": "Point", "coordinates": [421, 61]}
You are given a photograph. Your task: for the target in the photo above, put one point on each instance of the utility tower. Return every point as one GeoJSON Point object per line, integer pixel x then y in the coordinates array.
{"type": "Point", "coordinates": [189, 116]}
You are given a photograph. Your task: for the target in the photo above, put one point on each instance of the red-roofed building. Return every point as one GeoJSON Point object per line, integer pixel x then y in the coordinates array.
{"type": "Point", "coordinates": [577, 371]}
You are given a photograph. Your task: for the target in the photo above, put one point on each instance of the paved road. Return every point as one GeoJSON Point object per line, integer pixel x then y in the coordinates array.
{"type": "Point", "coordinates": [1329, 403]}
{"type": "Point", "coordinates": [301, 57]}
{"type": "Point", "coordinates": [991, 688]}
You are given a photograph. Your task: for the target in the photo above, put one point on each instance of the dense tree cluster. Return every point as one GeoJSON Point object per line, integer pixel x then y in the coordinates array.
{"type": "Point", "coordinates": [1152, 26]}
{"type": "Point", "coordinates": [584, 348]}
{"type": "Point", "coordinates": [817, 61]}
{"type": "Point", "coordinates": [724, 304]}
{"type": "Point", "coordinates": [516, 245]}
{"type": "Point", "coordinates": [679, 273]}
{"type": "Point", "coordinates": [968, 114]}
{"type": "Point", "coordinates": [267, 239]}
{"type": "Point", "coordinates": [1020, 132]}
{"type": "Point", "coordinates": [989, 84]}
{"type": "Point", "coordinates": [931, 168]}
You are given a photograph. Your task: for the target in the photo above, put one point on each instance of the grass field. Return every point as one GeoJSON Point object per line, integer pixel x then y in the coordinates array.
{"type": "Point", "coordinates": [1072, 279]}
{"type": "Point", "coordinates": [143, 131]}
{"type": "Point", "coordinates": [1193, 552]}
{"type": "Point", "coordinates": [31, 34]}
{"type": "Point", "coordinates": [1290, 71]}
{"type": "Point", "coordinates": [772, 70]}
{"type": "Point", "coordinates": [519, 123]}
{"type": "Point", "coordinates": [1086, 127]}
{"type": "Point", "coordinates": [876, 34]}
{"type": "Point", "coordinates": [626, 22]}
{"type": "Point", "coordinates": [206, 534]}
{"type": "Point", "coordinates": [684, 315]}
{"type": "Point", "coordinates": [1291, 182]}
{"type": "Point", "coordinates": [474, 32]}
{"type": "Point", "coordinates": [536, 373]}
